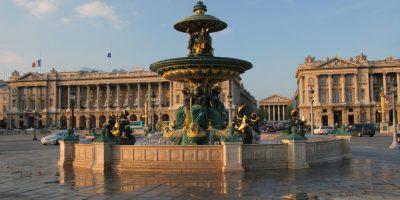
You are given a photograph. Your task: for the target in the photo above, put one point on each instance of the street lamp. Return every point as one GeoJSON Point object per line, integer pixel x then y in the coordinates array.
{"type": "Point", "coordinates": [71, 121]}
{"type": "Point", "coordinates": [311, 94]}
{"type": "Point", "coordinates": [394, 144]}
{"type": "Point", "coordinates": [230, 108]}
{"type": "Point", "coordinates": [35, 119]}
{"type": "Point", "coordinates": [153, 102]}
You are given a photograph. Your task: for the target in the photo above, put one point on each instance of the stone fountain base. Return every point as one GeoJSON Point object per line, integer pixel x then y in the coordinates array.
{"type": "Point", "coordinates": [227, 157]}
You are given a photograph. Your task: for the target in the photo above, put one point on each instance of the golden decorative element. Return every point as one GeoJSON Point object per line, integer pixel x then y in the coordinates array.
{"type": "Point", "coordinates": [115, 131]}
{"type": "Point", "coordinates": [195, 131]}
{"type": "Point", "coordinates": [243, 125]}
{"type": "Point", "coordinates": [383, 105]}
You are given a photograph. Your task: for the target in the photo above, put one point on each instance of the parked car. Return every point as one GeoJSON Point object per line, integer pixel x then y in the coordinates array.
{"type": "Point", "coordinates": [54, 137]}
{"type": "Point", "coordinates": [362, 129]}
{"type": "Point", "coordinates": [322, 130]}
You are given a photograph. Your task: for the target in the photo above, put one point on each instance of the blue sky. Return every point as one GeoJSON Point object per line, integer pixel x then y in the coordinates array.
{"type": "Point", "coordinates": [275, 35]}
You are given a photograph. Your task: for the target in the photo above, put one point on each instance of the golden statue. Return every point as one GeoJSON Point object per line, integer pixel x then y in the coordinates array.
{"type": "Point", "coordinates": [383, 105]}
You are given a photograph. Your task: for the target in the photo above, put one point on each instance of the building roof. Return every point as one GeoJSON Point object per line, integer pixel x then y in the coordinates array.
{"type": "Point", "coordinates": [274, 99]}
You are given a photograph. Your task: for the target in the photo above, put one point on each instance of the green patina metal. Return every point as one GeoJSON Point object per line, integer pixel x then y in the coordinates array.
{"type": "Point", "coordinates": [203, 118]}
{"type": "Point", "coordinates": [341, 131]}
{"type": "Point", "coordinates": [70, 136]}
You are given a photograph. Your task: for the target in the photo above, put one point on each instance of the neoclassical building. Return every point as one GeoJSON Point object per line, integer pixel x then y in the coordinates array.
{"type": "Point", "coordinates": [274, 108]}
{"type": "Point", "coordinates": [3, 99]}
{"type": "Point", "coordinates": [44, 99]}
{"type": "Point", "coordinates": [347, 91]}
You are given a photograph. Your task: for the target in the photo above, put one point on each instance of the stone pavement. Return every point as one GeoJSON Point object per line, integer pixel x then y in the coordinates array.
{"type": "Point", "coordinates": [28, 170]}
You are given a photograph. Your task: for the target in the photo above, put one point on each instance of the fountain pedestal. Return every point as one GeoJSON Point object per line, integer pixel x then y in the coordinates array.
{"type": "Point", "coordinates": [232, 158]}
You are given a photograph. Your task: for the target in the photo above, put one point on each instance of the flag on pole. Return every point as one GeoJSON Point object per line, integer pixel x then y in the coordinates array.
{"type": "Point", "coordinates": [39, 62]}
{"type": "Point", "coordinates": [109, 55]}
{"type": "Point", "coordinates": [33, 65]}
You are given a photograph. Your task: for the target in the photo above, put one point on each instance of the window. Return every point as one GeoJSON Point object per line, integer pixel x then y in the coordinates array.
{"type": "Point", "coordinates": [324, 110]}
{"type": "Point", "coordinates": [336, 96]}
{"type": "Point", "coordinates": [349, 78]}
{"type": "Point", "coordinates": [13, 103]}
{"type": "Point", "coordinates": [322, 80]}
{"type": "Point", "coordinates": [349, 96]}
{"type": "Point", "coordinates": [336, 79]}
{"type": "Point", "coordinates": [362, 95]}
{"type": "Point", "coordinates": [350, 109]}
{"type": "Point", "coordinates": [4, 109]}
{"type": "Point", "coordinates": [322, 96]}
{"type": "Point", "coordinates": [178, 99]}
{"type": "Point", "coordinates": [4, 97]}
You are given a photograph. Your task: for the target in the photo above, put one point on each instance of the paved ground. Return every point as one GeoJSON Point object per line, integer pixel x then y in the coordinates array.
{"type": "Point", "coordinates": [28, 170]}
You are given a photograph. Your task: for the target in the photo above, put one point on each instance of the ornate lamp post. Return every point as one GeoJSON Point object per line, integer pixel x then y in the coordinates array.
{"type": "Point", "coordinates": [35, 119]}
{"type": "Point", "coordinates": [71, 120]}
{"type": "Point", "coordinates": [153, 102]}
{"type": "Point", "coordinates": [394, 144]}
{"type": "Point", "coordinates": [311, 94]}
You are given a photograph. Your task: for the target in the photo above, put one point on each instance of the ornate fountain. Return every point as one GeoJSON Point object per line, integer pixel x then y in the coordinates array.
{"type": "Point", "coordinates": [203, 116]}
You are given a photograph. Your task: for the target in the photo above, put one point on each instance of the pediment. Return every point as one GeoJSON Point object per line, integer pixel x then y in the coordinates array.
{"type": "Point", "coordinates": [337, 63]}
{"type": "Point", "coordinates": [31, 77]}
{"type": "Point", "coordinates": [275, 99]}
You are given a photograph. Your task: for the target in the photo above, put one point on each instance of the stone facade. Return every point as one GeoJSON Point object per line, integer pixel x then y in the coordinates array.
{"type": "Point", "coordinates": [45, 98]}
{"type": "Point", "coordinates": [274, 108]}
{"type": "Point", "coordinates": [3, 99]}
{"type": "Point", "coordinates": [346, 91]}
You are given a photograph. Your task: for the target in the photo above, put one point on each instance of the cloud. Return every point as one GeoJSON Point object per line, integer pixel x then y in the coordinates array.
{"type": "Point", "coordinates": [65, 20]}
{"type": "Point", "coordinates": [99, 9]}
{"type": "Point", "coordinates": [10, 58]}
{"type": "Point", "coordinates": [37, 7]}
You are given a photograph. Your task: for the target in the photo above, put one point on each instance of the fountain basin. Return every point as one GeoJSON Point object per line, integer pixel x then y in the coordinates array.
{"type": "Point", "coordinates": [211, 68]}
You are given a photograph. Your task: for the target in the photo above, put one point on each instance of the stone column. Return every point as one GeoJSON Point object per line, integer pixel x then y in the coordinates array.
{"type": "Point", "coordinates": [138, 94]}
{"type": "Point", "coordinates": [159, 95]}
{"type": "Point", "coordinates": [367, 92]}
{"type": "Point", "coordinates": [78, 97]}
{"type": "Point", "coordinates": [330, 95]}
{"type": "Point", "coordinates": [87, 97]}
{"type": "Point", "coordinates": [343, 84]}
{"type": "Point", "coordinates": [301, 91]}
{"type": "Point", "coordinates": [232, 157]}
{"type": "Point", "coordinates": [128, 95]}
{"type": "Point", "coordinates": [98, 97]}
{"type": "Point", "coordinates": [356, 89]}
{"type": "Point", "coordinates": [37, 98]}
{"type": "Point", "coordinates": [67, 153]}
{"type": "Point", "coordinates": [118, 100]}
{"type": "Point", "coordinates": [283, 116]}
{"type": "Point", "coordinates": [384, 82]}
{"type": "Point", "coordinates": [107, 96]}
{"type": "Point", "coordinates": [170, 94]}
{"type": "Point", "coordinates": [102, 156]}
{"type": "Point", "coordinates": [69, 98]}
{"type": "Point", "coordinates": [26, 99]}
{"type": "Point", "coordinates": [269, 113]}
{"type": "Point", "coordinates": [297, 154]}
{"type": "Point", "coordinates": [316, 95]}
{"type": "Point", "coordinates": [59, 97]}
{"type": "Point", "coordinates": [371, 88]}
{"type": "Point", "coordinates": [273, 112]}
{"type": "Point", "coordinates": [279, 112]}
{"type": "Point", "coordinates": [398, 88]}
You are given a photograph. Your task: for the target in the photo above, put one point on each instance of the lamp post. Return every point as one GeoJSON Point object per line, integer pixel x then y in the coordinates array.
{"type": "Point", "coordinates": [394, 144]}
{"type": "Point", "coordinates": [35, 116]}
{"type": "Point", "coordinates": [153, 102]}
{"type": "Point", "coordinates": [311, 94]}
{"type": "Point", "coordinates": [71, 120]}
{"type": "Point", "coordinates": [229, 109]}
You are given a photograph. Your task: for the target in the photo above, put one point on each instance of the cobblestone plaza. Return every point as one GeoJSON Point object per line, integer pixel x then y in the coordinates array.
{"type": "Point", "coordinates": [28, 170]}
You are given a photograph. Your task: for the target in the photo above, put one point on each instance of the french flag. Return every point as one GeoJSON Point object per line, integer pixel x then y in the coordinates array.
{"type": "Point", "coordinates": [38, 63]}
